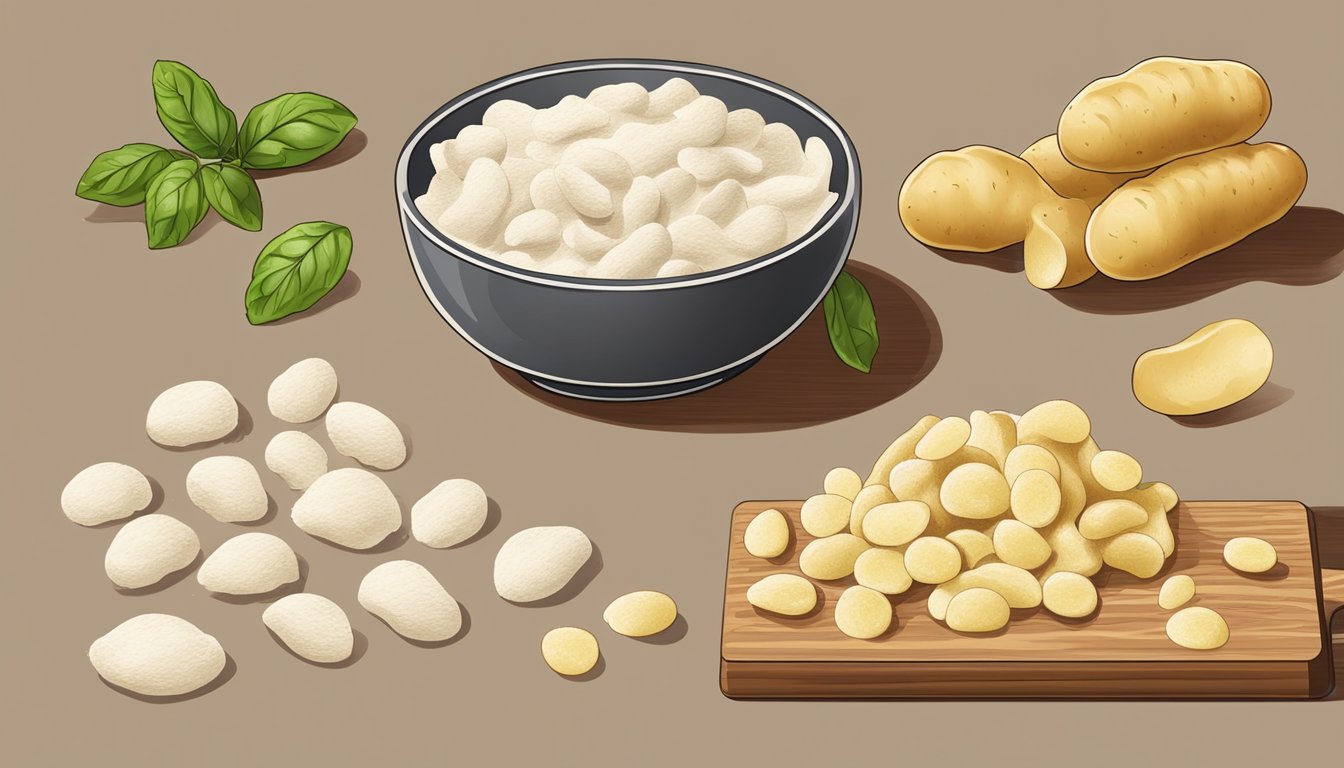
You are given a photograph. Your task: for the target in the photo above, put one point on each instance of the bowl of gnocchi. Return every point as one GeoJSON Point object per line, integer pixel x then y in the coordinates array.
{"type": "Point", "coordinates": [627, 229]}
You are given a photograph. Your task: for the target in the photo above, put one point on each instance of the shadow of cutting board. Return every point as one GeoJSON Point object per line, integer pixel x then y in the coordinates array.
{"type": "Point", "coordinates": [1279, 623]}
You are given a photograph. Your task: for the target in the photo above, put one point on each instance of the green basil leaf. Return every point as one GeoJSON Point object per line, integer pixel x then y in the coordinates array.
{"type": "Point", "coordinates": [174, 203]}
{"type": "Point", "coordinates": [297, 268]}
{"type": "Point", "coordinates": [121, 176]}
{"type": "Point", "coordinates": [292, 129]}
{"type": "Point", "coordinates": [191, 111]}
{"type": "Point", "coordinates": [851, 322]}
{"type": "Point", "coordinates": [231, 191]}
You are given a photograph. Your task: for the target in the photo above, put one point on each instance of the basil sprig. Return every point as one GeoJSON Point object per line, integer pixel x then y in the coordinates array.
{"type": "Point", "coordinates": [177, 189]}
{"type": "Point", "coordinates": [851, 322]}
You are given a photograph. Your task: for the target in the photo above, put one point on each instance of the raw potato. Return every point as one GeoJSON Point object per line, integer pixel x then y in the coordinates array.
{"type": "Point", "coordinates": [1162, 109]}
{"type": "Point", "coordinates": [535, 563]}
{"type": "Point", "coordinates": [640, 614]}
{"type": "Point", "coordinates": [297, 458]}
{"type": "Point", "coordinates": [895, 524]}
{"type": "Point", "coordinates": [1110, 517]}
{"type": "Point", "coordinates": [882, 570]}
{"type": "Point", "coordinates": [412, 602]}
{"type": "Point", "coordinates": [1116, 470]}
{"type": "Point", "coordinates": [932, 560]}
{"type": "Point", "coordinates": [302, 391]}
{"type": "Point", "coordinates": [1250, 555]}
{"type": "Point", "coordinates": [451, 513]}
{"type": "Point", "coordinates": [1192, 207]}
{"type": "Point", "coordinates": [863, 613]}
{"type": "Point", "coordinates": [105, 492]}
{"type": "Point", "coordinates": [768, 534]}
{"type": "Point", "coordinates": [901, 449]}
{"type": "Point", "coordinates": [155, 654]}
{"type": "Point", "coordinates": [366, 435]}
{"type": "Point", "coordinates": [1068, 594]}
{"type": "Point", "coordinates": [1017, 543]}
{"type": "Point", "coordinates": [569, 651]}
{"type": "Point", "coordinates": [149, 548]}
{"type": "Point", "coordinates": [843, 481]}
{"type": "Point", "coordinates": [831, 558]}
{"type": "Point", "coordinates": [1090, 187]}
{"type": "Point", "coordinates": [1176, 591]}
{"type": "Point", "coordinates": [825, 514]}
{"type": "Point", "coordinates": [190, 413]}
{"type": "Point", "coordinates": [249, 564]}
{"type": "Point", "coordinates": [311, 626]}
{"type": "Point", "coordinates": [1198, 628]}
{"type": "Point", "coordinates": [977, 610]}
{"type": "Point", "coordinates": [350, 507]}
{"type": "Point", "coordinates": [1053, 252]}
{"type": "Point", "coordinates": [228, 489]}
{"type": "Point", "coordinates": [787, 594]}
{"type": "Point", "coordinates": [1218, 365]}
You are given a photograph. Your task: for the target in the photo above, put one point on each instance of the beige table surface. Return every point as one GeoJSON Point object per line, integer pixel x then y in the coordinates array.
{"type": "Point", "coordinates": [95, 325]}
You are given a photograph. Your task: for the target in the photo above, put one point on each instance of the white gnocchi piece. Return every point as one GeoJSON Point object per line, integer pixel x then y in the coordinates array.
{"type": "Point", "coordinates": [760, 230]}
{"type": "Point", "coordinates": [350, 507]}
{"type": "Point", "coordinates": [608, 168]}
{"type": "Point", "coordinates": [742, 129]}
{"type": "Point", "coordinates": [514, 120]}
{"type": "Point", "coordinates": [412, 602]}
{"type": "Point", "coordinates": [546, 195]}
{"type": "Point", "coordinates": [190, 413]}
{"type": "Point", "coordinates": [228, 489]}
{"type": "Point", "coordinates": [536, 563]}
{"type": "Point", "coordinates": [670, 96]}
{"type": "Point", "coordinates": [149, 548]}
{"type": "Point", "coordinates": [485, 195]}
{"type": "Point", "coordinates": [451, 513]}
{"type": "Point", "coordinates": [311, 626]}
{"type": "Point", "coordinates": [587, 242]}
{"type": "Point", "coordinates": [698, 239]}
{"type": "Point", "coordinates": [573, 116]}
{"type": "Point", "coordinates": [584, 193]}
{"type": "Point", "coordinates": [302, 391]}
{"type": "Point", "coordinates": [520, 172]}
{"type": "Point", "coordinates": [252, 563]}
{"type": "Point", "coordinates": [725, 202]}
{"type": "Point", "coordinates": [537, 227]}
{"type": "Point", "coordinates": [679, 268]}
{"type": "Point", "coordinates": [675, 186]}
{"type": "Point", "coordinates": [366, 435]}
{"type": "Point", "coordinates": [710, 165]}
{"type": "Point", "coordinates": [780, 150]}
{"type": "Point", "coordinates": [104, 492]}
{"type": "Point", "coordinates": [641, 204]}
{"type": "Point", "coordinates": [632, 98]}
{"type": "Point", "coordinates": [642, 253]}
{"type": "Point", "coordinates": [443, 191]}
{"type": "Point", "coordinates": [297, 458]}
{"type": "Point", "coordinates": [472, 143]}
{"type": "Point", "coordinates": [155, 654]}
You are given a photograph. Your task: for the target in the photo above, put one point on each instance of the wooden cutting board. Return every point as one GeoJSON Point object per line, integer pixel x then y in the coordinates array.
{"type": "Point", "coordinates": [1279, 623]}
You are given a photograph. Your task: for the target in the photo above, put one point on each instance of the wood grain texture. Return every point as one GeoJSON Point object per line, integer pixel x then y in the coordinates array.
{"type": "Point", "coordinates": [1276, 620]}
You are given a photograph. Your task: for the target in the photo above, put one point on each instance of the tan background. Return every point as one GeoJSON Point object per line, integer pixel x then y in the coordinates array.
{"type": "Point", "coordinates": [95, 325]}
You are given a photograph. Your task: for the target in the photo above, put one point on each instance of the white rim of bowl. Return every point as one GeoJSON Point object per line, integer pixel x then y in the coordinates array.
{"type": "Point", "coordinates": [594, 284]}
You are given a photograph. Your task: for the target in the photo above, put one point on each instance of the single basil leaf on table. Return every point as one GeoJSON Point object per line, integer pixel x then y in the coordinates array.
{"type": "Point", "coordinates": [191, 111]}
{"type": "Point", "coordinates": [121, 176]}
{"type": "Point", "coordinates": [292, 129]}
{"type": "Point", "coordinates": [234, 194]}
{"type": "Point", "coordinates": [851, 322]}
{"type": "Point", "coordinates": [298, 267]}
{"type": "Point", "coordinates": [174, 203]}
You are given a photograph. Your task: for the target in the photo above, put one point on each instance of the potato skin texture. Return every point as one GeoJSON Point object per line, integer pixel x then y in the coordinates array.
{"type": "Point", "coordinates": [1068, 179]}
{"type": "Point", "coordinates": [1162, 109]}
{"type": "Point", "coordinates": [1192, 207]}
{"type": "Point", "coordinates": [975, 199]}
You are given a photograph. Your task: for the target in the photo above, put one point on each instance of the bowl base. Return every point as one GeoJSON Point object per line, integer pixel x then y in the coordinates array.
{"type": "Point", "coordinates": [637, 394]}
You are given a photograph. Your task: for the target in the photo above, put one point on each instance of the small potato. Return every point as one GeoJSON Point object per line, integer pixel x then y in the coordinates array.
{"type": "Point", "coordinates": [1053, 253]}
{"type": "Point", "coordinates": [1017, 543]}
{"type": "Point", "coordinates": [1035, 498]}
{"type": "Point", "coordinates": [1091, 187]}
{"type": "Point", "coordinates": [977, 610]}
{"type": "Point", "coordinates": [1176, 591]}
{"type": "Point", "coordinates": [973, 199]}
{"type": "Point", "coordinates": [932, 560]}
{"type": "Point", "coordinates": [882, 570]}
{"type": "Point", "coordinates": [569, 651]}
{"type": "Point", "coordinates": [1198, 628]}
{"type": "Point", "coordinates": [863, 613]}
{"type": "Point", "coordinates": [975, 491]}
{"type": "Point", "coordinates": [1058, 420]}
{"type": "Point", "coordinates": [901, 449]}
{"type": "Point", "coordinates": [1218, 365]}
{"type": "Point", "coordinates": [1070, 595]}
{"type": "Point", "coordinates": [895, 524]}
{"type": "Point", "coordinates": [767, 534]}
{"type": "Point", "coordinates": [867, 499]}
{"type": "Point", "coordinates": [973, 545]}
{"type": "Point", "coordinates": [787, 594]}
{"type": "Point", "coordinates": [1027, 456]}
{"type": "Point", "coordinates": [825, 514]}
{"type": "Point", "coordinates": [1109, 517]}
{"type": "Point", "coordinates": [943, 439]}
{"type": "Point", "coordinates": [843, 481]}
{"type": "Point", "coordinates": [831, 558]}
{"type": "Point", "coordinates": [1134, 553]}
{"type": "Point", "coordinates": [1016, 585]}
{"type": "Point", "coordinates": [1116, 470]}
{"type": "Point", "coordinates": [1250, 555]}
{"type": "Point", "coordinates": [994, 433]}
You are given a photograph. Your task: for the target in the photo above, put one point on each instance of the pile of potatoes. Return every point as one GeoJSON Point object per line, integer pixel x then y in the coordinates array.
{"type": "Point", "coordinates": [996, 511]}
{"type": "Point", "coordinates": [1147, 172]}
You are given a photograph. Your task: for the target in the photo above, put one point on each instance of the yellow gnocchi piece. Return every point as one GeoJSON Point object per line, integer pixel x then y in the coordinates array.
{"type": "Point", "coordinates": [869, 498]}
{"type": "Point", "coordinates": [569, 651]}
{"type": "Point", "coordinates": [977, 610]}
{"type": "Point", "coordinates": [882, 570]}
{"type": "Point", "coordinates": [1110, 517]}
{"type": "Point", "coordinates": [1134, 553]}
{"type": "Point", "coordinates": [973, 545]}
{"type": "Point", "coordinates": [1035, 498]}
{"type": "Point", "coordinates": [1116, 470]}
{"type": "Point", "coordinates": [901, 449]}
{"type": "Point", "coordinates": [943, 439]}
{"type": "Point", "coordinates": [975, 492]}
{"type": "Point", "coordinates": [1027, 457]}
{"type": "Point", "coordinates": [787, 594]}
{"type": "Point", "coordinates": [767, 534]}
{"type": "Point", "coordinates": [863, 613]}
{"type": "Point", "coordinates": [1250, 555]}
{"type": "Point", "coordinates": [842, 481]}
{"type": "Point", "coordinates": [993, 432]}
{"type": "Point", "coordinates": [825, 514]}
{"type": "Point", "coordinates": [1176, 591]}
{"type": "Point", "coordinates": [1017, 543]}
{"type": "Point", "coordinates": [1198, 628]}
{"type": "Point", "coordinates": [831, 558]}
{"type": "Point", "coordinates": [1058, 420]}
{"type": "Point", "coordinates": [640, 614]}
{"type": "Point", "coordinates": [1069, 594]}
{"type": "Point", "coordinates": [932, 560]}
{"type": "Point", "coordinates": [895, 524]}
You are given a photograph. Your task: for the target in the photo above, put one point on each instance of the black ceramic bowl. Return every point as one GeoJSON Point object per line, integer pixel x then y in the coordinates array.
{"type": "Point", "coordinates": [628, 339]}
